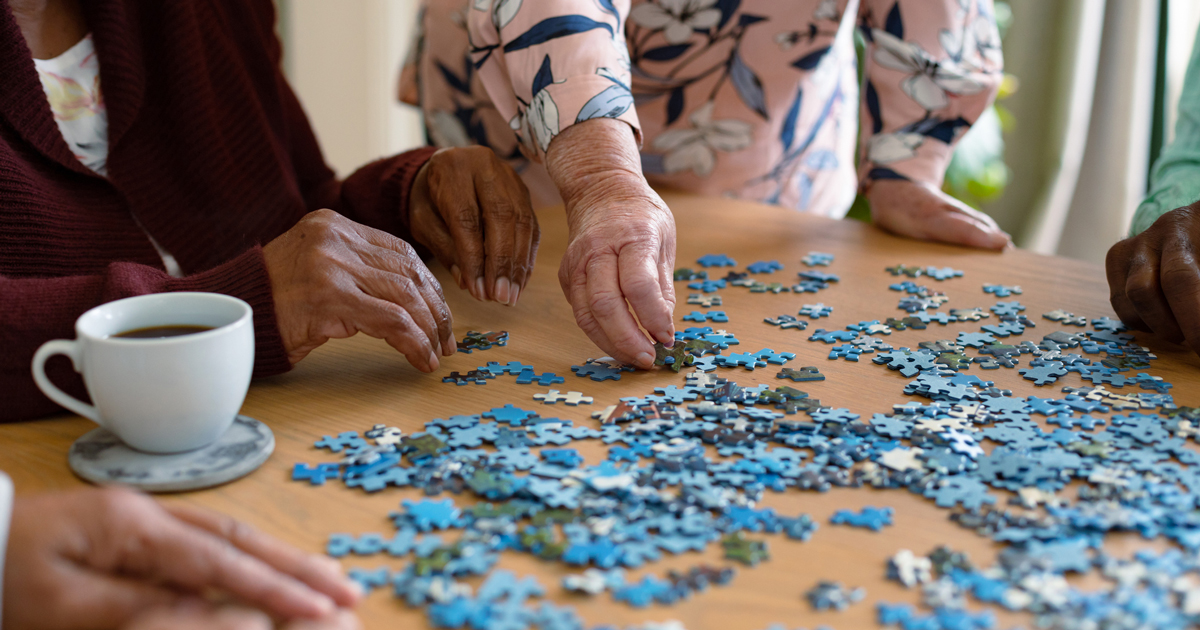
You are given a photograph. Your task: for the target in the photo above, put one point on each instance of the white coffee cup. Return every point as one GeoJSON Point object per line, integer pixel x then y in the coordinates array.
{"type": "Point", "coordinates": [159, 395]}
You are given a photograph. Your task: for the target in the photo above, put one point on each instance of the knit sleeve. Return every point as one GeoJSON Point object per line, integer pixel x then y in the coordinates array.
{"type": "Point", "coordinates": [35, 310]}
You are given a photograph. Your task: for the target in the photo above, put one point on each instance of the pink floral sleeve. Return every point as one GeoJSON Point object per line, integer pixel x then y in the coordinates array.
{"type": "Point", "coordinates": [932, 67]}
{"type": "Point", "coordinates": [549, 64]}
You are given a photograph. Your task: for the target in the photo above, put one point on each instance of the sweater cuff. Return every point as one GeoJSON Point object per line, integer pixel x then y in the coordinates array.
{"type": "Point", "coordinates": [246, 277]}
{"type": "Point", "coordinates": [6, 501]}
{"type": "Point", "coordinates": [400, 180]}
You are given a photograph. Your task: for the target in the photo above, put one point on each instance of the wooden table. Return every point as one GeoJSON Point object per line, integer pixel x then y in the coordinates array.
{"type": "Point", "coordinates": [352, 384]}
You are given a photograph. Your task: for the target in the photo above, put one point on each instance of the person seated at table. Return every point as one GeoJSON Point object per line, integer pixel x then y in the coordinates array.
{"type": "Point", "coordinates": [753, 100]}
{"type": "Point", "coordinates": [1154, 275]}
{"type": "Point", "coordinates": [156, 146]}
{"type": "Point", "coordinates": [113, 558]}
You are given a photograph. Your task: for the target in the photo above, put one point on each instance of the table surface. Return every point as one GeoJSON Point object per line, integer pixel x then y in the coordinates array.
{"type": "Point", "coordinates": [349, 385]}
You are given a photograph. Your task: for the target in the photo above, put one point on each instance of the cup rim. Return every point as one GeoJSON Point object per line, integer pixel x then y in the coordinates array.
{"type": "Point", "coordinates": [242, 319]}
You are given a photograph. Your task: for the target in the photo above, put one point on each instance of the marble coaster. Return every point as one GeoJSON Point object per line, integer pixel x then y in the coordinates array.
{"type": "Point", "coordinates": [101, 458]}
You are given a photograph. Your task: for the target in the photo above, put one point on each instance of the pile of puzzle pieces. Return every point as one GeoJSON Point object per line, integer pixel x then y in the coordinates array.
{"type": "Point", "coordinates": [688, 465]}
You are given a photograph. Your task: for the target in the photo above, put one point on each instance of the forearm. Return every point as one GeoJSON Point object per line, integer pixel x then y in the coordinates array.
{"type": "Point", "coordinates": [36, 310]}
{"type": "Point", "coordinates": [595, 157]}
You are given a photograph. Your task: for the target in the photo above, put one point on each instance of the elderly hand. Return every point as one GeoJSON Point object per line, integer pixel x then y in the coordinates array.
{"type": "Point", "coordinates": [471, 209]}
{"type": "Point", "coordinates": [1154, 278]}
{"type": "Point", "coordinates": [621, 252]}
{"type": "Point", "coordinates": [922, 211]}
{"type": "Point", "coordinates": [102, 558]}
{"type": "Point", "coordinates": [332, 278]}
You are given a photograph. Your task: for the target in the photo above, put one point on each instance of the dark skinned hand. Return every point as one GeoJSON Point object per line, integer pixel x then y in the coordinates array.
{"type": "Point", "coordinates": [472, 211]}
{"type": "Point", "coordinates": [1154, 280]}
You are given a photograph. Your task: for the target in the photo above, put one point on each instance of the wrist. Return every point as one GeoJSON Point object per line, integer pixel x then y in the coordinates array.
{"type": "Point", "coordinates": [594, 157]}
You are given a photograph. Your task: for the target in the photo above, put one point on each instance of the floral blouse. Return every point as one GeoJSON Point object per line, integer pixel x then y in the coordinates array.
{"type": "Point", "coordinates": [755, 99]}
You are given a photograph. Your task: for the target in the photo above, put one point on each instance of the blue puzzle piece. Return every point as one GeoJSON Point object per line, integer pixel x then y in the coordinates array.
{"type": "Point", "coordinates": [872, 518]}
{"type": "Point", "coordinates": [347, 439]}
{"type": "Point", "coordinates": [716, 260]}
{"type": "Point", "coordinates": [316, 474]}
{"type": "Point", "coordinates": [428, 514]}
{"type": "Point", "coordinates": [761, 266]}
{"type": "Point", "coordinates": [548, 378]}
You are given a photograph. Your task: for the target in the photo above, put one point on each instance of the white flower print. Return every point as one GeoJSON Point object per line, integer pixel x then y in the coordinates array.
{"type": "Point", "coordinates": [931, 79]}
{"type": "Point", "coordinates": [503, 11]}
{"type": "Point", "coordinates": [677, 18]}
{"type": "Point", "coordinates": [886, 148]}
{"type": "Point", "coordinates": [787, 39]}
{"type": "Point", "coordinates": [827, 10]}
{"type": "Point", "coordinates": [695, 148]}
{"type": "Point", "coordinates": [542, 119]}
{"type": "Point", "coordinates": [446, 130]}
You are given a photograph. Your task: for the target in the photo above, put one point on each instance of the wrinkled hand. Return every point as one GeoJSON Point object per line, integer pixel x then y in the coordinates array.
{"type": "Point", "coordinates": [622, 248]}
{"type": "Point", "coordinates": [621, 252]}
{"type": "Point", "coordinates": [101, 558]}
{"type": "Point", "coordinates": [332, 278]}
{"type": "Point", "coordinates": [1154, 278]}
{"type": "Point", "coordinates": [471, 209]}
{"type": "Point", "coordinates": [923, 212]}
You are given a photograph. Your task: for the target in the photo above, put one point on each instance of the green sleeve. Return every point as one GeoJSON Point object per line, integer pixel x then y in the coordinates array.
{"type": "Point", "coordinates": [1175, 179]}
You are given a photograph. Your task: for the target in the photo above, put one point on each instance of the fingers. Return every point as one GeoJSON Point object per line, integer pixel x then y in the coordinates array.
{"type": "Point", "coordinates": [193, 558]}
{"type": "Point", "coordinates": [1180, 281]}
{"type": "Point", "coordinates": [921, 211]}
{"type": "Point", "coordinates": [340, 620]}
{"type": "Point", "coordinates": [454, 196]}
{"type": "Point", "coordinates": [499, 231]}
{"type": "Point", "coordinates": [104, 601]}
{"type": "Point", "coordinates": [607, 304]}
{"type": "Point", "coordinates": [200, 615]}
{"type": "Point", "coordinates": [1116, 268]}
{"type": "Point", "coordinates": [641, 283]}
{"type": "Point", "coordinates": [1144, 291]}
{"type": "Point", "coordinates": [574, 285]}
{"type": "Point", "coordinates": [403, 279]}
{"type": "Point", "coordinates": [318, 572]}
{"type": "Point", "coordinates": [526, 234]}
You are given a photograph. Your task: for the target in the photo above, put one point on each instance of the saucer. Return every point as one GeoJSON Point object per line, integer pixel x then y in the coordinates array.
{"type": "Point", "coordinates": [102, 458]}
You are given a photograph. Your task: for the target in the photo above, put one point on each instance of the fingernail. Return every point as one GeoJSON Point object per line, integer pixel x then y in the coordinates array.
{"type": "Point", "coordinates": [450, 347]}
{"type": "Point", "coordinates": [500, 293]}
{"type": "Point", "coordinates": [480, 294]}
{"type": "Point", "coordinates": [457, 273]}
{"type": "Point", "coordinates": [516, 293]}
{"type": "Point", "coordinates": [644, 360]}
{"type": "Point", "coordinates": [667, 338]}
{"type": "Point", "coordinates": [357, 588]}
{"type": "Point", "coordinates": [433, 361]}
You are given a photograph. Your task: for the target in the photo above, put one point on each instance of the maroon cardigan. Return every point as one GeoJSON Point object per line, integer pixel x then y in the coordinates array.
{"type": "Point", "coordinates": [208, 148]}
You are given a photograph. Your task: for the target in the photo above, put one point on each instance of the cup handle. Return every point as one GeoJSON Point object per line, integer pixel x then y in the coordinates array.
{"type": "Point", "coordinates": [71, 349]}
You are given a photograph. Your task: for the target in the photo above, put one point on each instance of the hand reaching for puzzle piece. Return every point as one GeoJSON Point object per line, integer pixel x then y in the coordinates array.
{"type": "Point", "coordinates": [618, 270]}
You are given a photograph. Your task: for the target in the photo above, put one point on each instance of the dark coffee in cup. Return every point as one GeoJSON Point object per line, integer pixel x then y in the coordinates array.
{"type": "Point", "coordinates": [159, 332]}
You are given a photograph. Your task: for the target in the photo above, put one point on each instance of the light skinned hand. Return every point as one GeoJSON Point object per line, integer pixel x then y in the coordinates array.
{"type": "Point", "coordinates": [98, 558]}
{"type": "Point", "coordinates": [924, 212]}
{"type": "Point", "coordinates": [332, 278]}
{"type": "Point", "coordinates": [1154, 278]}
{"type": "Point", "coordinates": [618, 267]}
{"type": "Point", "coordinates": [199, 614]}
{"type": "Point", "coordinates": [472, 211]}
